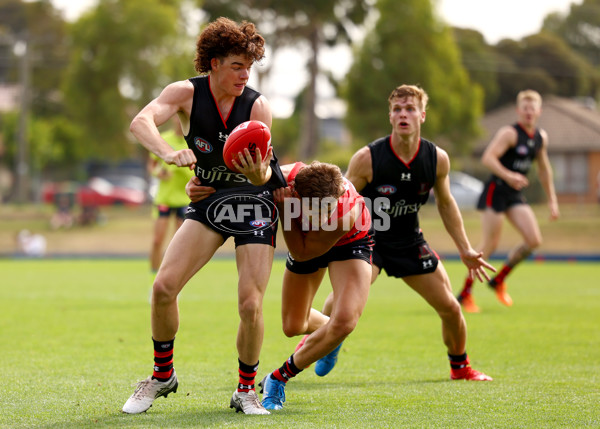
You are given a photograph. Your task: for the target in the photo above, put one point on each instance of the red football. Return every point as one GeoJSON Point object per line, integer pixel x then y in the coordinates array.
{"type": "Point", "coordinates": [249, 135]}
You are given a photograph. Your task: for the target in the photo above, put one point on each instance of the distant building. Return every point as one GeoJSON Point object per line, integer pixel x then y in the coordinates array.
{"type": "Point", "coordinates": [574, 134]}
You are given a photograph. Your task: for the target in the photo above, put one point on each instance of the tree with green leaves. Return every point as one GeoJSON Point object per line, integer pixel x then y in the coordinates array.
{"type": "Point", "coordinates": [546, 64]}
{"type": "Point", "coordinates": [121, 53]}
{"type": "Point", "coordinates": [32, 58]}
{"type": "Point", "coordinates": [579, 28]}
{"type": "Point", "coordinates": [37, 30]}
{"type": "Point", "coordinates": [409, 45]}
{"type": "Point", "coordinates": [310, 23]}
{"type": "Point", "coordinates": [481, 62]}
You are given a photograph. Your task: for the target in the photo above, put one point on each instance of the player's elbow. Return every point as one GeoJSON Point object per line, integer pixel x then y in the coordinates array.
{"type": "Point", "coordinates": [446, 205]}
{"type": "Point", "coordinates": [486, 160]}
{"type": "Point", "coordinates": [136, 125]}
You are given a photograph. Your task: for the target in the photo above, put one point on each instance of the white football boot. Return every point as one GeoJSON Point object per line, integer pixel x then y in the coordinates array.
{"type": "Point", "coordinates": [247, 403]}
{"type": "Point", "coordinates": [147, 391]}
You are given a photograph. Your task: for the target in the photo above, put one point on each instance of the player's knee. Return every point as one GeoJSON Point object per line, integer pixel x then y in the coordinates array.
{"type": "Point", "coordinates": [534, 242]}
{"type": "Point", "coordinates": [162, 293]}
{"type": "Point", "coordinates": [292, 328]}
{"type": "Point", "coordinates": [493, 245]}
{"type": "Point", "coordinates": [451, 310]}
{"type": "Point", "coordinates": [341, 327]}
{"type": "Point", "coordinates": [250, 309]}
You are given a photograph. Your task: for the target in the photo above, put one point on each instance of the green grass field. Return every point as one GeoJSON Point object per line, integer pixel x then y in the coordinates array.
{"type": "Point", "coordinates": [75, 336]}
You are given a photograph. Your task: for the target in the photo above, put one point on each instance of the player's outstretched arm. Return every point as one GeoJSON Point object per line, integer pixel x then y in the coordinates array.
{"type": "Point", "coordinates": [144, 126]}
{"type": "Point", "coordinates": [453, 222]}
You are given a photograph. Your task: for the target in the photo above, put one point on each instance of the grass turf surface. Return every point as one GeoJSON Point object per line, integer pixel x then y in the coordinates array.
{"type": "Point", "coordinates": [75, 337]}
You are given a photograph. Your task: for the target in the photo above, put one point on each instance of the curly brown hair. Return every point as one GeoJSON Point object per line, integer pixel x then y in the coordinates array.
{"type": "Point", "coordinates": [225, 37]}
{"type": "Point", "coordinates": [319, 180]}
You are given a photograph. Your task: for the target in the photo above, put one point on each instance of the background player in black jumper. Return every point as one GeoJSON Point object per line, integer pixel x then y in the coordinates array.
{"type": "Point", "coordinates": [209, 107]}
{"type": "Point", "coordinates": [396, 173]}
{"type": "Point", "coordinates": [509, 156]}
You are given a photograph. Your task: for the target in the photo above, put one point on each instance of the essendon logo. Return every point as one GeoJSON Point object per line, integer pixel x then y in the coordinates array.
{"type": "Point", "coordinates": [424, 252]}
{"type": "Point", "coordinates": [202, 145]}
{"type": "Point", "coordinates": [386, 189]}
{"type": "Point", "coordinates": [259, 223]}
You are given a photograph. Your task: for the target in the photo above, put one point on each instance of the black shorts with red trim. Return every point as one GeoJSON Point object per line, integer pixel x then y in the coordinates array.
{"type": "Point", "coordinates": [247, 214]}
{"type": "Point", "coordinates": [400, 260]}
{"type": "Point", "coordinates": [358, 249]}
{"type": "Point", "coordinates": [498, 196]}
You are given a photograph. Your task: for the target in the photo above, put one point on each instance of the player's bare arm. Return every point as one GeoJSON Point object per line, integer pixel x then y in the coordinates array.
{"type": "Point", "coordinates": [261, 111]}
{"type": "Point", "coordinates": [546, 177]}
{"type": "Point", "coordinates": [453, 221]}
{"type": "Point", "coordinates": [308, 245]}
{"type": "Point", "coordinates": [360, 168]}
{"type": "Point", "coordinates": [505, 138]}
{"type": "Point", "coordinates": [257, 173]}
{"type": "Point", "coordinates": [175, 98]}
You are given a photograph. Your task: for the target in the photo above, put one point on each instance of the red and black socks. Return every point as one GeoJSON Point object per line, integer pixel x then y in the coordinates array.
{"type": "Point", "coordinates": [163, 360]}
{"type": "Point", "coordinates": [287, 371]}
{"type": "Point", "coordinates": [247, 376]}
{"type": "Point", "coordinates": [499, 278]}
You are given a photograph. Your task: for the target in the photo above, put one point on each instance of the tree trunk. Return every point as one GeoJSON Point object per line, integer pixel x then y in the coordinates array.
{"type": "Point", "coordinates": [309, 140]}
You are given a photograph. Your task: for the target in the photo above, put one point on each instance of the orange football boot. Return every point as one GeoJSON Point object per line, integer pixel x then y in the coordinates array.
{"type": "Point", "coordinates": [502, 295]}
{"type": "Point", "coordinates": [468, 304]}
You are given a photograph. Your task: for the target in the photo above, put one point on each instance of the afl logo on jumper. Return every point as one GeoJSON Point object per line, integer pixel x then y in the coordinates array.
{"type": "Point", "coordinates": [202, 145]}
{"type": "Point", "coordinates": [522, 150]}
{"type": "Point", "coordinates": [386, 189]}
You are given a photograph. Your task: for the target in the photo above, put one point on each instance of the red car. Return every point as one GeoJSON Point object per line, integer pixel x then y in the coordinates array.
{"type": "Point", "coordinates": [98, 191]}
